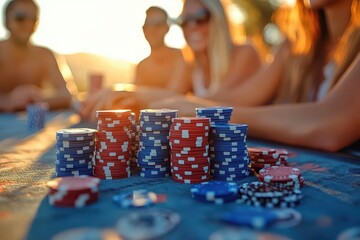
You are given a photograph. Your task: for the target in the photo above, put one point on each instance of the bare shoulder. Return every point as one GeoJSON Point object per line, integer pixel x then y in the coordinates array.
{"type": "Point", "coordinates": [245, 50]}
{"type": "Point", "coordinates": [175, 52]}
{"type": "Point", "coordinates": [44, 53]}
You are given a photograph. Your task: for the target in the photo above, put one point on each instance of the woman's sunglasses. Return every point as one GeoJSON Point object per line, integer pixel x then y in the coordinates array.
{"type": "Point", "coordinates": [22, 17]}
{"type": "Point", "coordinates": [201, 17]}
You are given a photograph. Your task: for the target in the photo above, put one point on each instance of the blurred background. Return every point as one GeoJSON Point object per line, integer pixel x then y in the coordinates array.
{"type": "Point", "coordinates": [105, 36]}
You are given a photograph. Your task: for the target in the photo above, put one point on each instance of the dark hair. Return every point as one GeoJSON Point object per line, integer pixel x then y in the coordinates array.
{"type": "Point", "coordinates": [10, 5]}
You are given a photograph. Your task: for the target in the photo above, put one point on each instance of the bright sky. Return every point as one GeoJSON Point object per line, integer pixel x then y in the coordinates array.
{"type": "Point", "coordinates": [110, 28]}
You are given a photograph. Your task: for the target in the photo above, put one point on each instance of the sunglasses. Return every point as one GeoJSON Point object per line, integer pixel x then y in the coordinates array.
{"type": "Point", "coordinates": [201, 17]}
{"type": "Point", "coordinates": [22, 17]}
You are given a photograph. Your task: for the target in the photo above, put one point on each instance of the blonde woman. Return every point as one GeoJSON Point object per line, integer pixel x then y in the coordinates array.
{"type": "Point", "coordinates": [216, 64]}
{"type": "Point", "coordinates": [314, 79]}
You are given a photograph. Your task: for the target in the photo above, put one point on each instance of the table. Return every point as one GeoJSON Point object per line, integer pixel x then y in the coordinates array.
{"type": "Point", "coordinates": [331, 201]}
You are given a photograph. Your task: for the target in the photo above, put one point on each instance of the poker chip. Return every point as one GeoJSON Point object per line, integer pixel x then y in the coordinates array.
{"type": "Point", "coordinates": [151, 223]}
{"type": "Point", "coordinates": [262, 157]}
{"type": "Point", "coordinates": [113, 145]}
{"type": "Point", "coordinates": [249, 216]}
{"type": "Point", "coordinates": [266, 195]}
{"type": "Point", "coordinates": [216, 192]}
{"type": "Point", "coordinates": [136, 198]}
{"type": "Point", "coordinates": [189, 144]}
{"type": "Point", "coordinates": [228, 152]}
{"type": "Point", "coordinates": [218, 115]}
{"type": "Point", "coordinates": [280, 174]}
{"type": "Point", "coordinates": [74, 151]}
{"type": "Point", "coordinates": [73, 191]}
{"type": "Point", "coordinates": [36, 114]}
{"type": "Point", "coordinates": [154, 151]}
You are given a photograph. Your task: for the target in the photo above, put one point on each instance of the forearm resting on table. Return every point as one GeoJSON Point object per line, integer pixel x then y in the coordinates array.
{"type": "Point", "coordinates": [310, 125]}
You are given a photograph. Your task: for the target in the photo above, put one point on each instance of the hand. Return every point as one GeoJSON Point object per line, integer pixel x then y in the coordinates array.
{"type": "Point", "coordinates": [23, 95]}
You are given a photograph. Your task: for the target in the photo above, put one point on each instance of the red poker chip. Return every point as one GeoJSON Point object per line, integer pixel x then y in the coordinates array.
{"type": "Point", "coordinates": [116, 163]}
{"type": "Point", "coordinates": [261, 150]}
{"type": "Point", "coordinates": [111, 113]}
{"type": "Point", "coordinates": [191, 166]}
{"type": "Point", "coordinates": [78, 202]}
{"type": "Point", "coordinates": [70, 184]}
{"type": "Point", "coordinates": [190, 172]}
{"type": "Point", "coordinates": [191, 120]}
{"type": "Point", "coordinates": [279, 174]}
{"type": "Point", "coordinates": [112, 169]}
{"type": "Point", "coordinates": [113, 176]}
{"type": "Point", "coordinates": [190, 181]}
{"type": "Point", "coordinates": [192, 177]}
{"type": "Point", "coordinates": [187, 162]}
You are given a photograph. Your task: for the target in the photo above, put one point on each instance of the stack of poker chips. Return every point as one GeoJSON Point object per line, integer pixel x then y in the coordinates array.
{"type": "Point", "coordinates": [74, 151]}
{"type": "Point", "coordinates": [266, 157]}
{"type": "Point", "coordinates": [189, 141]}
{"type": "Point", "coordinates": [282, 177]}
{"type": "Point", "coordinates": [154, 149]}
{"type": "Point", "coordinates": [36, 114]}
{"type": "Point", "coordinates": [261, 194]}
{"type": "Point", "coordinates": [113, 153]}
{"type": "Point", "coordinates": [135, 138]}
{"type": "Point", "coordinates": [228, 152]}
{"type": "Point", "coordinates": [217, 192]}
{"type": "Point", "coordinates": [217, 115]}
{"type": "Point", "coordinates": [73, 191]}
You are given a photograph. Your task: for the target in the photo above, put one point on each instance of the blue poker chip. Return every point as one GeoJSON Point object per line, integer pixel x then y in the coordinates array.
{"type": "Point", "coordinates": [72, 165]}
{"type": "Point", "coordinates": [153, 127]}
{"type": "Point", "coordinates": [217, 200]}
{"type": "Point", "coordinates": [154, 173]}
{"type": "Point", "coordinates": [160, 162]}
{"type": "Point", "coordinates": [218, 164]}
{"type": "Point", "coordinates": [230, 173]}
{"type": "Point", "coordinates": [229, 177]}
{"type": "Point", "coordinates": [135, 199]}
{"type": "Point", "coordinates": [247, 216]}
{"type": "Point", "coordinates": [70, 153]}
{"type": "Point", "coordinates": [229, 128]}
{"type": "Point", "coordinates": [75, 134]}
{"type": "Point", "coordinates": [154, 151]}
{"type": "Point", "coordinates": [214, 189]}
{"type": "Point", "coordinates": [73, 173]}
{"type": "Point", "coordinates": [159, 112]}
{"type": "Point", "coordinates": [217, 109]}
{"type": "Point", "coordinates": [65, 169]}
{"type": "Point", "coordinates": [227, 169]}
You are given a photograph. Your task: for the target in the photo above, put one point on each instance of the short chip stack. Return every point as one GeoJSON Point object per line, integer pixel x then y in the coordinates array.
{"type": "Point", "coordinates": [154, 149]}
{"type": "Point", "coordinates": [217, 192]}
{"type": "Point", "coordinates": [73, 191]}
{"type": "Point", "coordinates": [266, 157]}
{"type": "Point", "coordinates": [217, 115]}
{"type": "Point", "coordinates": [282, 177]}
{"type": "Point", "coordinates": [113, 152]}
{"type": "Point", "coordinates": [228, 152]}
{"type": "Point", "coordinates": [36, 114]}
{"type": "Point", "coordinates": [74, 151]}
{"type": "Point", "coordinates": [189, 141]}
{"type": "Point", "coordinates": [265, 195]}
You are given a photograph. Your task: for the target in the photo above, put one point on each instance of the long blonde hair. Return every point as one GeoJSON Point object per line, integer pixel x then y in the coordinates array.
{"type": "Point", "coordinates": [220, 44]}
{"type": "Point", "coordinates": [307, 32]}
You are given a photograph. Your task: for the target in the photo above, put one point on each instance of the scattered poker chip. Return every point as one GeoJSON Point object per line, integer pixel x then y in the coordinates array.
{"type": "Point", "coordinates": [215, 191]}
{"type": "Point", "coordinates": [265, 195]}
{"type": "Point", "coordinates": [151, 223]}
{"type": "Point", "coordinates": [249, 216]}
{"type": "Point", "coordinates": [73, 191]}
{"type": "Point", "coordinates": [137, 198]}
{"type": "Point", "coordinates": [279, 174]}
{"type": "Point", "coordinates": [86, 234]}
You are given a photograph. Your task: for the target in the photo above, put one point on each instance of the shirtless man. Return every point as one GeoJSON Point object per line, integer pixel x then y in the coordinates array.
{"type": "Point", "coordinates": [163, 68]}
{"type": "Point", "coordinates": [24, 68]}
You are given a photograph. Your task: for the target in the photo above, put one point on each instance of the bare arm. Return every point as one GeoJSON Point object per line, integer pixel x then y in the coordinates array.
{"type": "Point", "coordinates": [260, 88]}
{"type": "Point", "coordinates": [329, 125]}
{"type": "Point", "coordinates": [61, 97]}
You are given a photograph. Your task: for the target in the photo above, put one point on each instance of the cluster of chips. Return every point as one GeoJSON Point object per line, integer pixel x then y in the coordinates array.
{"type": "Point", "coordinates": [113, 153]}
{"type": "Point", "coordinates": [36, 114]}
{"type": "Point", "coordinates": [154, 150]}
{"type": "Point", "coordinates": [73, 191]}
{"type": "Point", "coordinates": [269, 196]}
{"type": "Point", "coordinates": [189, 141]}
{"type": "Point", "coordinates": [261, 157]}
{"type": "Point", "coordinates": [217, 192]}
{"type": "Point", "coordinates": [135, 138]}
{"type": "Point", "coordinates": [282, 177]}
{"type": "Point", "coordinates": [74, 151]}
{"type": "Point", "coordinates": [217, 115]}
{"type": "Point", "coordinates": [228, 152]}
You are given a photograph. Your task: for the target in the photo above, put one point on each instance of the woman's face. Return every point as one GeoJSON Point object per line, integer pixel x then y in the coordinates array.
{"type": "Point", "coordinates": [195, 21]}
{"type": "Point", "coordinates": [315, 4]}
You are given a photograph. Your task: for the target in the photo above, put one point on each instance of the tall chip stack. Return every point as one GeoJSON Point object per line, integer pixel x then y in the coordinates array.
{"type": "Point", "coordinates": [189, 141]}
{"type": "Point", "coordinates": [154, 149]}
{"type": "Point", "coordinates": [113, 145]}
{"type": "Point", "coordinates": [74, 151]}
{"type": "Point", "coordinates": [228, 150]}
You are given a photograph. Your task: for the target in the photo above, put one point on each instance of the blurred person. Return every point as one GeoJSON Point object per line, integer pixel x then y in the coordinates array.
{"type": "Point", "coordinates": [216, 63]}
{"type": "Point", "coordinates": [164, 66]}
{"type": "Point", "coordinates": [25, 68]}
{"type": "Point", "coordinates": [313, 80]}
